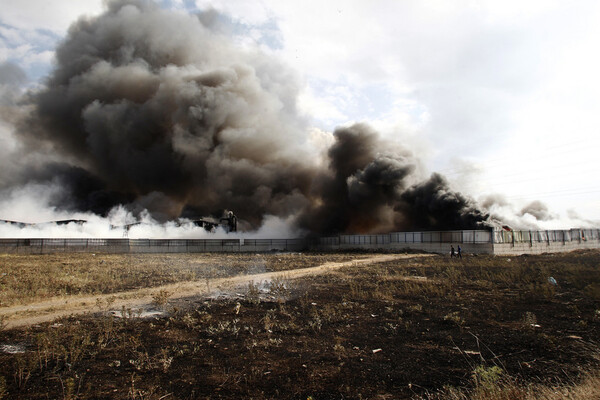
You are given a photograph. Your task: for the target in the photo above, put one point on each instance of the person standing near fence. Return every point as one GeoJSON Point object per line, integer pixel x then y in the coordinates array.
{"type": "Point", "coordinates": [451, 251]}
{"type": "Point", "coordinates": [458, 254]}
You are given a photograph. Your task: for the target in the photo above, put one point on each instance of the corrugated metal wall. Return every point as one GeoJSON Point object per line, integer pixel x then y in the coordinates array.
{"type": "Point", "coordinates": [546, 236]}
{"type": "Point", "coordinates": [471, 236]}
{"type": "Point", "coordinates": [382, 241]}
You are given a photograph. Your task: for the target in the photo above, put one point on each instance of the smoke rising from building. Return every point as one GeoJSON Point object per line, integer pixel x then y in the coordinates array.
{"type": "Point", "coordinates": [156, 113]}
{"type": "Point", "coordinates": [537, 209]}
{"type": "Point", "coordinates": [159, 110]}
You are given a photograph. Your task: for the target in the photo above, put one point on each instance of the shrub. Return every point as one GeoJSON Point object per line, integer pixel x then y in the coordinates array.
{"type": "Point", "coordinates": [161, 298]}
{"type": "Point", "coordinates": [487, 377]}
{"type": "Point", "coordinates": [253, 293]}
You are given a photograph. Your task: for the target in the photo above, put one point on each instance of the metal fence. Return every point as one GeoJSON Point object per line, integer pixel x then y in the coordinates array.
{"type": "Point", "coordinates": [549, 236]}
{"type": "Point", "coordinates": [275, 244]}
{"type": "Point", "coordinates": [390, 240]}
{"type": "Point", "coordinates": [41, 246]}
{"type": "Point", "coordinates": [467, 236]}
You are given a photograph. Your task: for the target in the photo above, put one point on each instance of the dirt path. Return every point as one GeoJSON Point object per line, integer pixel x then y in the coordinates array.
{"type": "Point", "coordinates": [51, 309]}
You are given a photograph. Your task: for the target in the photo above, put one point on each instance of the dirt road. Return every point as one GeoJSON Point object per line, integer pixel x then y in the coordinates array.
{"type": "Point", "coordinates": [53, 308]}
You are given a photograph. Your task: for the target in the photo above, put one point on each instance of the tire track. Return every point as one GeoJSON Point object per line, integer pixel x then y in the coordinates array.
{"type": "Point", "coordinates": [49, 310]}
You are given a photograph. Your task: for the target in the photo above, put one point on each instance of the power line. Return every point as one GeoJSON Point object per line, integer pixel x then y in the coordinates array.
{"type": "Point", "coordinates": [539, 156]}
{"type": "Point", "coordinates": [487, 140]}
{"type": "Point", "coordinates": [514, 180]}
{"type": "Point", "coordinates": [558, 193]}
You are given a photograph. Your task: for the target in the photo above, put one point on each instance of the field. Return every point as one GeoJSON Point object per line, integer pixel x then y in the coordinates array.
{"type": "Point", "coordinates": [355, 326]}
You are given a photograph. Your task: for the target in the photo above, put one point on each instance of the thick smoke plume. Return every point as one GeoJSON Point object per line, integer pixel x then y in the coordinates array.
{"type": "Point", "coordinates": [373, 186]}
{"type": "Point", "coordinates": [156, 112]}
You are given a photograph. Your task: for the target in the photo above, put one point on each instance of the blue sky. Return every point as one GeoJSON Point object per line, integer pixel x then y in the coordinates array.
{"type": "Point", "coordinates": [500, 96]}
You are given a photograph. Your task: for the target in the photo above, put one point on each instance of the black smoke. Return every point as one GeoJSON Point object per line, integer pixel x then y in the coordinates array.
{"type": "Point", "coordinates": [432, 205]}
{"type": "Point", "coordinates": [370, 188]}
{"type": "Point", "coordinates": [157, 110]}
{"type": "Point", "coordinates": [149, 101]}
{"type": "Point", "coordinates": [81, 191]}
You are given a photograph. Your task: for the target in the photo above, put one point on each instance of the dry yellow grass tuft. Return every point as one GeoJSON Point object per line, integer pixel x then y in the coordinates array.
{"type": "Point", "coordinates": [587, 389]}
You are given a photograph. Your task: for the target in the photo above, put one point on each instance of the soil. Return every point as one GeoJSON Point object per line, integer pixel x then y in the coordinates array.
{"type": "Point", "coordinates": [49, 310]}
{"type": "Point", "coordinates": [384, 328]}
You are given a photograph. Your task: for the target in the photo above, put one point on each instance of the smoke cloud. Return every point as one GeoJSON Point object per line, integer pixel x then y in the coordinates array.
{"type": "Point", "coordinates": [160, 117]}
{"type": "Point", "coordinates": [538, 210]}
{"type": "Point", "coordinates": [148, 101]}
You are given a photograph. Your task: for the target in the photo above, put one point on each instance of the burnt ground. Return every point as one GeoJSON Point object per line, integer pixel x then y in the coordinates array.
{"type": "Point", "coordinates": [397, 329]}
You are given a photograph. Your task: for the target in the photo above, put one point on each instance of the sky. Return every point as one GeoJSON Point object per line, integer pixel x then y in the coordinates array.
{"type": "Point", "coordinates": [501, 97]}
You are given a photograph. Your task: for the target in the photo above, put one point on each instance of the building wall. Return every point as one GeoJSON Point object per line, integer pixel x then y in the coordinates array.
{"type": "Point", "coordinates": [539, 248]}
{"type": "Point", "coordinates": [440, 248]}
{"type": "Point", "coordinates": [474, 242]}
{"type": "Point", "coordinates": [444, 248]}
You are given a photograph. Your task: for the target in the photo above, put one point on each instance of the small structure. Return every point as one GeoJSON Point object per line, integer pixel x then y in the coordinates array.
{"type": "Point", "coordinates": [228, 222]}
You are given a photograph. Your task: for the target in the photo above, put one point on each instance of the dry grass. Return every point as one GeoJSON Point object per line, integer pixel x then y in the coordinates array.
{"type": "Point", "coordinates": [506, 389]}
{"type": "Point", "coordinates": [440, 276]}
{"type": "Point", "coordinates": [26, 279]}
{"type": "Point", "coordinates": [396, 329]}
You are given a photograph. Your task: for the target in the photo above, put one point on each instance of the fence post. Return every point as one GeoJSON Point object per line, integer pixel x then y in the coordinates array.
{"type": "Point", "coordinates": [530, 239]}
